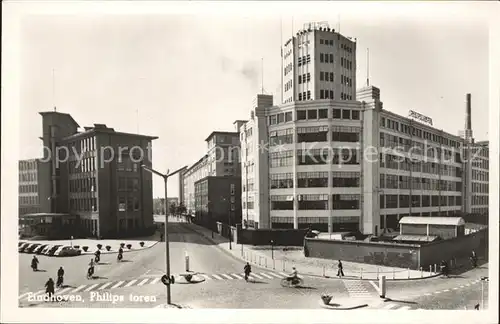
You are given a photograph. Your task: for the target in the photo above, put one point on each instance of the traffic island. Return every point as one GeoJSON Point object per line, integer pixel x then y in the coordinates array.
{"type": "Point", "coordinates": [188, 278]}
{"type": "Point", "coordinates": [328, 303]}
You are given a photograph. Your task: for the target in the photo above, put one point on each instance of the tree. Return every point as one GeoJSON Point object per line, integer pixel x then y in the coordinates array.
{"type": "Point", "coordinates": [181, 209]}
{"type": "Point", "coordinates": [173, 209]}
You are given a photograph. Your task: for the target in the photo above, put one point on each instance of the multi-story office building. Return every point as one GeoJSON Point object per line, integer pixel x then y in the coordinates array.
{"type": "Point", "coordinates": [333, 163]}
{"type": "Point", "coordinates": [29, 196]}
{"type": "Point", "coordinates": [96, 174]}
{"type": "Point", "coordinates": [221, 160]}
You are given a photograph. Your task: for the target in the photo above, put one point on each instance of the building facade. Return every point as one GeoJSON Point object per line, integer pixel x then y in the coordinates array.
{"type": "Point", "coordinates": [336, 164]}
{"type": "Point", "coordinates": [96, 174]}
{"type": "Point", "coordinates": [221, 160]}
{"type": "Point", "coordinates": [29, 196]}
{"type": "Point", "coordinates": [218, 199]}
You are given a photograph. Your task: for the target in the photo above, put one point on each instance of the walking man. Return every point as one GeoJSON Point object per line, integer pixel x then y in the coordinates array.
{"type": "Point", "coordinates": [340, 272]}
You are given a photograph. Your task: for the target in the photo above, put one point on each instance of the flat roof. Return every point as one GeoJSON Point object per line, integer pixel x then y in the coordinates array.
{"type": "Point", "coordinates": [222, 133]}
{"type": "Point", "coordinates": [416, 238]}
{"type": "Point", "coordinates": [59, 113]}
{"type": "Point", "coordinates": [452, 221]}
{"type": "Point", "coordinates": [106, 131]}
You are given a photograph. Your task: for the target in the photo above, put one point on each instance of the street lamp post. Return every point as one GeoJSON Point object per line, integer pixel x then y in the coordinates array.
{"type": "Point", "coordinates": [483, 279]}
{"type": "Point", "coordinates": [229, 221]}
{"type": "Point", "coordinates": [272, 249]}
{"type": "Point", "coordinates": [167, 250]}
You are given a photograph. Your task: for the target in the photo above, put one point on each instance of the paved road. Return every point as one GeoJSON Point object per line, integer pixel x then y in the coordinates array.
{"type": "Point", "coordinates": [223, 287]}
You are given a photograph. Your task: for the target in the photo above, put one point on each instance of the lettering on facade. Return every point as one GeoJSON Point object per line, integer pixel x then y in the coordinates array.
{"type": "Point", "coordinates": [420, 117]}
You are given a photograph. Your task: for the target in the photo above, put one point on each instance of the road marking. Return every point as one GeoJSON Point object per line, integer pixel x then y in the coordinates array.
{"type": "Point", "coordinates": [389, 306]}
{"type": "Point", "coordinates": [427, 294]}
{"type": "Point", "coordinates": [437, 292]}
{"type": "Point", "coordinates": [205, 276]}
{"type": "Point", "coordinates": [105, 285]}
{"type": "Point", "coordinates": [217, 277]}
{"type": "Point", "coordinates": [461, 286]}
{"type": "Point", "coordinates": [79, 288]}
{"type": "Point", "coordinates": [91, 287]}
{"type": "Point", "coordinates": [143, 282]}
{"type": "Point", "coordinates": [60, 291]}
{"type": "Point", "coordinates": [256, 276]}
{"type": "Point", "coordinates": [155, 280]}
{"type": "Point", "coordinates": [24, 295]}
{"type": "Point", "coordinates": [117, 284]}
{"type": "Point", "coordinates": [130, 283]}
{"type": "Point", "coordinates": [266, 275]}
{"type": "Point", "coordinates": [283, 274]}
{"type": "Point", "coordinates": [467, 285]}
{"type": "Point", "coordinates": [227, 276]}
{"type": "Point", "coordinates": [374, 285]}
{"type": "Point", "coordinates": [404, 308]}
{"type": "Point", "coordinates": [237, 275]}
{"type": "Point", "coordinates": [276, 275]}
{"type": "Point", "coordinates": [446, 290]}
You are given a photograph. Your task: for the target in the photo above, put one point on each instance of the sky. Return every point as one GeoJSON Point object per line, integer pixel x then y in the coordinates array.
{"type": "Point", "coordinates": [180, 77]}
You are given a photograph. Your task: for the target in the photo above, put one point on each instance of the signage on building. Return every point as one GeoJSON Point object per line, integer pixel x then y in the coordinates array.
{"type": "Point", "coordinates": [420, 117]}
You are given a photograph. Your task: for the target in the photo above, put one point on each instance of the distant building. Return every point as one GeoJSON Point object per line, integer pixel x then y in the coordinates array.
{"type": "Point", "coordinates": [97, 177]}
{"type": "Point", "coordinates": [29, 195]}
{"type": "Point", "coordinates": [159, 204]}
{"type": "Point", "coordinates": [218, 199]}
{"type": "Point", "coordinates": [222, 159]}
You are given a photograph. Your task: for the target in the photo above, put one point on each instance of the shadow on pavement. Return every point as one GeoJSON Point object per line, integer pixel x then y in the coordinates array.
{"type": "Point", "coordinates": [103, 263]}
{"type": "Point", "coordinates": [257, 282]}
{"type": "Point", "coordinates": [400, 301]}
{"type": "Point", "coordinates": [41, 270]}
{"type": "Point", "coordinates": [306, 287]}
{"type": "Point", "coordinates": [126, 260]}
{"type": "Point", "coordinates": [98, 277]}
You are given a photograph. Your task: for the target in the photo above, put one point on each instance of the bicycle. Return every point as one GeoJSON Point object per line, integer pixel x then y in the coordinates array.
{"type": "Point", "coordinates": [292, 283]}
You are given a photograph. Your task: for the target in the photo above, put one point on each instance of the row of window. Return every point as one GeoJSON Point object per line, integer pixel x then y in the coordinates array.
{"type": "Point", "coordinates": [83, 185]}
{"type": "Point", "coordinates": [83, 145]}
{"type": "Point", "coordinates": [306, 77]}
{"type": "Point", "coordinates": [288, 85]}
{"type": "Point", "coordinates": [128, 204]}
{"type": "Point", "coordinates": [288, 68]}
{"type": "Point", "coordinates": [389, 161]}
{"type": "Point", "coordinates": [414, 131]}
{"type": "Point", "coordinates": [83, 204]}
{"type": "Point", "coordinates": [345, 80]}
{"type": "Point", "coordinates": [326, 57]}
{"type": "Point", "coordinates": [303, 60]}
{"type": "Point", "coordinates": [390, 181]}
{"type": "Point", "coordinates": [481, 150]}
{"type": "Point", "coordinates": [346, 48]}
{"type": "Point", "coordinates": [480, 175]}
{"type": "Point", "coordinates": [326, 41]}
{"type": "Point", "coordinates": [480, 200]}
{"type": "Point", "coordinates": [280, 118]}
{"type": "Point", "coordinates": [28, 188]}
{"type": "Point", "coordinates": [315, 202]}
{"type": "Point", "coordinates": [314, 157]}
{"type": "Point", "coordinates": [480, 187]}
{"type": "Point", "coordinates": [84, 165]}
{"type": "Point", "coordinates": [346, 63]}
{"type": "Point", "coordinates": [128, 184]}
{"type": "Point", "coordinates": [481, 163]}
{"type": "Point", "coordinates": [480, 211]}
{"type": "Point", "coordinates": [126, 164]}
{"type": "Point", "coordinates": [28, 165]}
{"type": "Point", "coordinates": [28, 200]}
{"type": "Point", "coordinates": [26, 177]}
{"type": "Point", "coordinates": [326, 76]}
{"type": "Point", "coordinates": [315, 180]}
{"type": "Point", "coordinates": [403, 201]}
{"type": "Point", "coordinates": [314, 114]}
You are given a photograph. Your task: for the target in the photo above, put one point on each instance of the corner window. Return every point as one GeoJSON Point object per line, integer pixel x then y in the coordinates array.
{"type": "Point", "coordinates": [337, 114]}
{"type": "Point", "coordinates": [301, 115]}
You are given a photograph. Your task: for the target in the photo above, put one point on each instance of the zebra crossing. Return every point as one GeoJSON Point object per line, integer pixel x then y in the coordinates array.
{"type": "Point", "coordinates": [394, 306]}
{"type": "Point", "coordinates": [142, 281]}
{"type": "Point", "coordinates": [358, 288]}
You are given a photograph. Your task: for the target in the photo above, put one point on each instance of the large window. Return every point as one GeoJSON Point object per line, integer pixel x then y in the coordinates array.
{"type": "Point", "coordinates": [345, 134]}
{"type": "Point", "coordinates": [345, 179]}
{"type": "Point", "coordinates": [312, 134]}
{"type": "Point", "coordinates": [312, 179]}
{"type": "Point", "coordinates": [391, 201]}
{"type": "Point", "coordinates": [281, 159]}
{"type": "Point", "coordinates": [344, 156]}
{"type": "Point", "coordinates": [284, 136]}
{"type": "Point", "coordinates": [345, 201]}
{"type": "Point", "coordinates": [281, 180]}
{"type": "Point", "coordinates": [313, 202]}
{"type": "Point", "coordinates": [313, 156]}
{"type": "Point", "coordinates": [281, 202]}
{"type": "Point", "coordinates": [404, 201]}
{"type": "Point", "coordinates": [301, 114]}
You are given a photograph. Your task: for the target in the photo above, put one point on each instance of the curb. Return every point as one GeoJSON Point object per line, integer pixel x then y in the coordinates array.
{"type": "Point", "coordinates": [340, 306]}
{"type": "Point", "coordinates": [183, 281]}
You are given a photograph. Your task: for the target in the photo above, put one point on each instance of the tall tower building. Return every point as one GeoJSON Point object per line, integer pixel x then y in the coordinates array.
{"type": "Point", "coordinates": [319, 63]}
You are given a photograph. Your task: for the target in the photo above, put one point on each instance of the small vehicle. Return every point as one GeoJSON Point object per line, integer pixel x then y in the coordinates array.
{"type": "Point", "coordinates": [52, 250]}
{"type": "Point", "coordinates": [60, 281]}
{"type": "Point", "coordinates": [46, 249]}
{"type": "Point", "coordinates": [295, 282]}
{"type": "Point", "coordinates": [39, 249]}
{"type": "Point", "coordinates": [63, 251]}
{"type": "Point", "coordinates": [23, 246]}
{"type": "Point", "coordinates": [31, 248]}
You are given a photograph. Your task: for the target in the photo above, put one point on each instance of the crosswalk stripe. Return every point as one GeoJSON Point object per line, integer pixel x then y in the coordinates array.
{"type": "Point", "coordinates": [91, 287]}
{"type": "Point", "coordinates": [237, 276]}
{"type": "Point", "coordinates": [446, 290]}
{"type": "Point", "coordinates": [117, 284]}
{"type": "Point", "coordinates": [105, 285]}
{"type": "Point", "coordinates": [131, 283]}
{"type": "Point", "coordinates": [404, 308]}
{"type": "Point", "coordinates": [276, 275]}
{"type": "Point", "coordinates": [216, 277]}
{"type": "Point", "coordinates": [256, 276]}
{"type": "Point", "coordinates": [266, 275]}
{"type": "Point", "coordinates": [155, 280]}
{"type": "Point", "coordinates": [24, 295]}
{"type": "Point", "coordinates": [60, 291]}
{"type": "Point", "coordinates": [143, 282]}
{"type": "Point", "coordinates": [283, 274]}
{"type": "Point", "coordinates": [79, 288]}
{"type": "Point", "coordinates": [389, 306]}
{"type": "Point", "coordinates": [227, 276]}
{"type": "Point", "coordinates": [205, 276]}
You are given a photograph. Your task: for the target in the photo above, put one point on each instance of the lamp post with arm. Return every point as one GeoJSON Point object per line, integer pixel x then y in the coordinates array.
{"type": "Point", "coordinates": [167, 250]}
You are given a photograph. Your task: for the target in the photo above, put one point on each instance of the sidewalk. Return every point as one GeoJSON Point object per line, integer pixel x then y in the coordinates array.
{"type": "Point", "coordinates": [280, 260]}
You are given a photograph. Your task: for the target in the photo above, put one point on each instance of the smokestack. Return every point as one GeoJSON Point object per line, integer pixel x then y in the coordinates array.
{"type": "Point", "coordinates": [468, 121]}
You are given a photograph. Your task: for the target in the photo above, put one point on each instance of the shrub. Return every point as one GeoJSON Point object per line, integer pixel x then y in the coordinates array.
{"type": "Point", "coordinates": [129, 246]}
{"type": "Point", "coordinates": [85, 248]}
{"type": "Point", "coordinates": [122, 245]}
{"type": "Point", "coordinates": [99, 246]}
{"type": "Point", "coordinates": [141, 243]}
{"type": "Point", "coordinates": [76, 246]}
{"type": "Point", "coordinates": [108, 248]}
{"type": "Point", "coordinates": [326, 299]}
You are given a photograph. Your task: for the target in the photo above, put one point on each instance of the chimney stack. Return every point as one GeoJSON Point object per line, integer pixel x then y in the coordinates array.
{"type": "Point", "coordinates": [468, 120]}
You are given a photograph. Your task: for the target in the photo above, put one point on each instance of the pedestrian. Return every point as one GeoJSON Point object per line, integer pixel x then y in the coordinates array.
{"type": "Point", "coordinates": [49, 287]}
{"type": "Point", "coordinates": [340, 272]}
{"type": "Point", "coordinates": [161, 237]}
